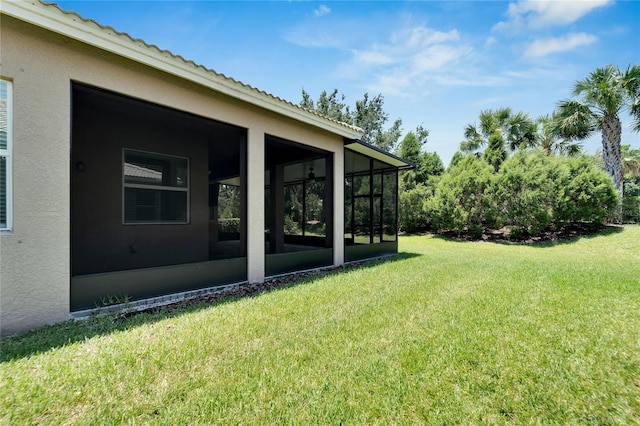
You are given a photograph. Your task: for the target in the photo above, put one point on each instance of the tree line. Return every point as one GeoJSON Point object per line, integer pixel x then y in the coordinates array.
{"type": "Point", "coordinates": [511, 170]}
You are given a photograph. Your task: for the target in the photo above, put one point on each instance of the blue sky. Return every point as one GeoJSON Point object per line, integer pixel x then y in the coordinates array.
{"type": "Point", "coordinates": [436, 63]}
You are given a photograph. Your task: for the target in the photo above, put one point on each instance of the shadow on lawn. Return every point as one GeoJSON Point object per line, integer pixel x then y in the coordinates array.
{"type": "Point", "coordinates": [606, 230]}
{"type": "Point", "coordinates": [43, 339]}
{"type": "Point", "coordinates": [549, 239]}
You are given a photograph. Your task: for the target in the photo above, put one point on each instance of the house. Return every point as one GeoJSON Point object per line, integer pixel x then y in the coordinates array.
{"type": "Point", "coordinates": [130, 173]}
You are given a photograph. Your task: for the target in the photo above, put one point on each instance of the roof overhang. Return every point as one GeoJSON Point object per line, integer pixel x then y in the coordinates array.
{"type": "Point", "coordinates": [50, 17]}
{"type": "Point", "coordinates": [378, 154]}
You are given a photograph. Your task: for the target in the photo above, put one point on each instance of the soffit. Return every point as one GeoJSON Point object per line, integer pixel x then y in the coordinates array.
{"type": "Point", "coordinates": [378, 154]}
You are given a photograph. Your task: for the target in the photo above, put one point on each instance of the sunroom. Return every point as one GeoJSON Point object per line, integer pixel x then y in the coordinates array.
{"type": "Point", "coordinates": [159, 202]}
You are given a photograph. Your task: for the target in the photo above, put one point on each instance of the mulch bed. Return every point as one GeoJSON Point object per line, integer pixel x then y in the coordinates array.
{"type": "Point", "coordinates": [504, 235]}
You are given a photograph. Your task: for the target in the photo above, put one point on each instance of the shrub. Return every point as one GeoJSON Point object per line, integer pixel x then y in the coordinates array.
{"type": "Point", "coordinates": [631, 200]}
{"type": "Point", "coordinates": [412, 215]}
{"type": "Point", "coordinates": [530, 193]}
{"type": "Point", "coordinates": [589, 194]}
{"type": "Point", "coordinates": [459, 200]}
{"type": "Point", "coordinates": [534, 191]}
{"type": "Point", "coordinates": [524, 192]}
{"type": "Point", "coordinates": [291, 227]}
{"type": "Point", "coordinates": [231, 225]}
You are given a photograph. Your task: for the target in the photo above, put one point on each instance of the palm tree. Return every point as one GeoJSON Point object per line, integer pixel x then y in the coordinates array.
{"type": "Point", "coordinates": [630, 161]}
{"type": "Point", "coordinates": [601, 97]}
{"type": "Point", "coordinates": [515, 130]}
{"type": "Point", "coordinates": [550, 141]}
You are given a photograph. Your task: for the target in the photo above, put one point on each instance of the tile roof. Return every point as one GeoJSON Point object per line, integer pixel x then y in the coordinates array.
{"type": "Point", "coordinates": [71, 24]}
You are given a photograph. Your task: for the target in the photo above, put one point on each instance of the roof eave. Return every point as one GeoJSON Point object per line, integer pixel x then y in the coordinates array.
{"type": "Point", "coordinates": [51, 17]}
{"type": "Point", "coordinates": [378, 154]}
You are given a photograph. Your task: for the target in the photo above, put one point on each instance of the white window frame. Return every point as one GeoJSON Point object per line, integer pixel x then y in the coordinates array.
{"type": "Point", "coordinates": [7, 154]}
{"type": "Point", "coordinates": [156, 188]}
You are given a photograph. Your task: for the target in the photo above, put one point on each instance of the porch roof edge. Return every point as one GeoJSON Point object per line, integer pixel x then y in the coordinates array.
{"type": "Point", "coordinates": [377, 153]}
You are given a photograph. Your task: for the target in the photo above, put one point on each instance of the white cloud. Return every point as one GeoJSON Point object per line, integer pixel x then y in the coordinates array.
{"type": "Point", "coordinates": [315, 37]}
{"type": "Point", "coordinates": [372, 57]}
{"type": "Point", "coordinates": [526, 14]}
{"type": "Point", "coordinates": [423, 57]}
{"type": "Point", "coordinates": [410, 62]}
{"type": "Point", "coordinates": [490, 41]}
{"type": "Point", "coordinates": [418, 48]}
{"type": "Point", "coordinates": [322, 10]}
{"type": "Point", "coordinates": [548, 46]}
{"type": "Point", "coordinates": [469, 78]}
{"type": "Point", "coordinates": [422, 36]}
{"type": "Point", "coordinates": [410, 58]}
{"type": "Point", "coordinates": [436, 57]}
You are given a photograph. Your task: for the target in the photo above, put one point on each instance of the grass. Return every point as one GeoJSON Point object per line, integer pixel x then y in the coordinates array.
{"type": "Point", "coordinates": [447, 333]}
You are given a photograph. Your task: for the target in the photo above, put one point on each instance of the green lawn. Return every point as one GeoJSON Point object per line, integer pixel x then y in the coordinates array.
{"type": "Point", "coordinates": [446, 333]}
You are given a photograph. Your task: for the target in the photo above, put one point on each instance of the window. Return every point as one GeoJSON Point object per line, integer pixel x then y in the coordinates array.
{"type": "Point", "coordinates": [6, 118]}
{"type": "Point", "coordinates": [304, 208]}
{"type": "Point", "coordinates": [370, 200]}
{"type": "Point", "coordinates": [156, 188]}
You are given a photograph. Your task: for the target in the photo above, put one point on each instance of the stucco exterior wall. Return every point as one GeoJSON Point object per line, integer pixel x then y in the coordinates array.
{"type": "Point", "coordinates": [35, 255]}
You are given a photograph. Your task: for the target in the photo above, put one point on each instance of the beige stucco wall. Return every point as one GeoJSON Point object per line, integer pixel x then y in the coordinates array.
{"type": "Point", "coordinates": [35, 256]}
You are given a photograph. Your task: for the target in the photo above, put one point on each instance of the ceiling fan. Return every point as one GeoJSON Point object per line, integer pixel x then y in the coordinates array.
{"type": "Point", "coordinates": [309, 177]}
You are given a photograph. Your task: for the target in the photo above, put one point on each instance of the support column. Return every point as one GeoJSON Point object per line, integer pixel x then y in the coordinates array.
{"type": "Point", "coordinates": [338, 207]}
{"type": "Point", "coordinates": [255, 205]}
